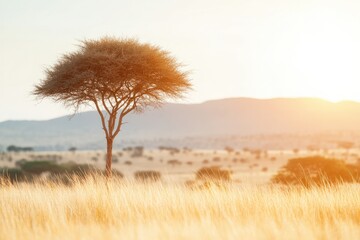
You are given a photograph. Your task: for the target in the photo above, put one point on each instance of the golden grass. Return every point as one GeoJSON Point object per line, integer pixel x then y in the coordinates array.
{"type": "Point", "coordinates": [128, 210]}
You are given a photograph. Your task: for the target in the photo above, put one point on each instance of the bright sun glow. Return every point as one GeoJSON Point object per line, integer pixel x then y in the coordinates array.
{"type": "Point", "coordinates": [326, 57]}
{"type": "Point", "coordinates": [258, 49]}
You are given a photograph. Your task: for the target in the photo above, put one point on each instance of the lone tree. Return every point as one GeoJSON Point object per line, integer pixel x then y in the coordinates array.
{"type": "Point", "coordinates": [117, 76]}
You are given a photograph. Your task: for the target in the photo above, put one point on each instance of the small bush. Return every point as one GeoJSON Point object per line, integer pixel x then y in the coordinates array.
{"type": "Point", "coordinates": [243, 160]}
{"type": "Point", "coordinates": [12, 174]}
{"type": "Point", "coordinates": [38, 167]}
{"type": "Point", "coordinates": [115, 159]}
{"type": "Point", "coordinates": [77, 169]}
{"type": "Point", "coordinates": [137, 152]}
{"type": "Point", "coordinates": [117, 173]}
{"type": "Point", "coordinates": [174, 162]}
{"type": "Point", "coordinates": [20, 162]}
{"type": "Point", "coordinates": [213, 173]}
{"type": "Point", "coordinates": [216, 159]}
{"type": "Point", "coordinates": [147, 176]}
{"type": "Point", "coordinates": [229, 149]}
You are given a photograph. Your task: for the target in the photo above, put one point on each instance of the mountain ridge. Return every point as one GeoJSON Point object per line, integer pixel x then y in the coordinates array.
{"type": "Point", "coordinates": [230, 116]}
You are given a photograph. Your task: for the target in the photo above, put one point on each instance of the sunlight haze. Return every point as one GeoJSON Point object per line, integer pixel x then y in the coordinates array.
{"type": "Point", "coordinates": [258, 49]}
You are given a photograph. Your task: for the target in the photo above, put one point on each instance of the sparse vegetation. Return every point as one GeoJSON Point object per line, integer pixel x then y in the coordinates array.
{"type": "Point", "coordinates": [137, 152]}
{"type": "Point", "coordinates": [213, 173]}
{"type": "Point", "coordinates": [31, 170]}
{"type": "Point", "coordinates": [216, 159]}
{"type": "Point", "coordinates": [147, 176]}
{"type": "Point", "coordinates": [174, 162]}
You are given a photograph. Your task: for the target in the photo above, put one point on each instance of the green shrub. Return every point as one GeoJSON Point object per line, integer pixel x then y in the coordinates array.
{"type": "Point", "coordinates": [38, 167]}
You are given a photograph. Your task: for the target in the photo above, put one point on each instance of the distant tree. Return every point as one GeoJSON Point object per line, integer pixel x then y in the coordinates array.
{"type": "Point", "coordinates": [72, 149]}
{"type": "Point", "coordinates": [117, 76]}
{"type": "Point", "coordinates": [316, 171]}
{"type": "Point", "coordinates": [13, 148]}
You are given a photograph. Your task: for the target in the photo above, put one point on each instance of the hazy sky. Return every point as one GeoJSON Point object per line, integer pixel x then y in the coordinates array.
{"type": "Point", "coordinates": [252, 48]}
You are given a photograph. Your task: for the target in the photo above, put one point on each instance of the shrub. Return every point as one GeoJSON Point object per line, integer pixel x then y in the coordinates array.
{"type": "Point", "coordinates": [137, 152]}
{"type": "Point", "coordinates": [77, 169]}
{"type": "Point", "coordinates": [128, 163]}
{"type": "Point", "coordinates": [229, 149]}
{"type": "Point", "coordinates": [174, 162]}
{"type": "Point", "coordinates": [213, 173]}
{"type": "Point", "coordinates": [12, 174]}
{"type": "Point", "coordinates": [117, 173]}
{"type": "Point", "coordinates": [20, 162]}
{"type": "Point", "coordinates": [115, 159]}
{"type": "Point", "coordinates": [216, 159]}
{"type": "Point", "coordinates": [38, 167]}
{"type": "Point", "coordinates": [243, 160]}
{"type": "Point", "coordinates": [172, 150]}
{"type": "Point", "coordinates": [317, 170]}
{"type": "Point", "coordinates": [147, 176]}
{"type": "Point", "coordinates": [72, 149]}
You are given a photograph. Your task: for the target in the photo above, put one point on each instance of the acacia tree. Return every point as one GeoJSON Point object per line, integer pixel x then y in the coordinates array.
{"type": "Point", "coordinates": [117, 76]}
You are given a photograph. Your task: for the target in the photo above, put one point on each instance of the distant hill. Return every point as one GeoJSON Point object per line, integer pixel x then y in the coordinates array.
{"type": "Point", "coordinates": [236, 116]}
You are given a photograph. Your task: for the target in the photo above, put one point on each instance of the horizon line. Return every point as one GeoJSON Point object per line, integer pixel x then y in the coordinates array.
{"type": "Point", "coordinates": [207, 101]}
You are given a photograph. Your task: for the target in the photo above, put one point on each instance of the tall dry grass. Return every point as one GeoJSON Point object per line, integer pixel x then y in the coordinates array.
{"type": "Point", "coordinates": [128, 210]}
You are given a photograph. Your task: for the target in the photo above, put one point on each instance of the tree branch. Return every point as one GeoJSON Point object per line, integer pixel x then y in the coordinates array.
{"type": "Point", "coordinates": [102, 119]}
{"type": "Point", "coordinates": [104, 104]}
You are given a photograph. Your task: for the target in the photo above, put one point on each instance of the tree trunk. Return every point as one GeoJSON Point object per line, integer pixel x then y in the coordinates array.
{"type": "Point", "coordinates": [109, 145]}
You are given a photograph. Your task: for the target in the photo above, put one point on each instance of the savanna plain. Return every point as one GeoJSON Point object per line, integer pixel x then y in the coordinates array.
{"type": "Point", "coordinates": [178, 205]}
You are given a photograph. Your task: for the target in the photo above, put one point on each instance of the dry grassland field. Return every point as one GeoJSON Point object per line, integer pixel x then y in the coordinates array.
{"type": "Point", "coordinates": [248, 207]}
